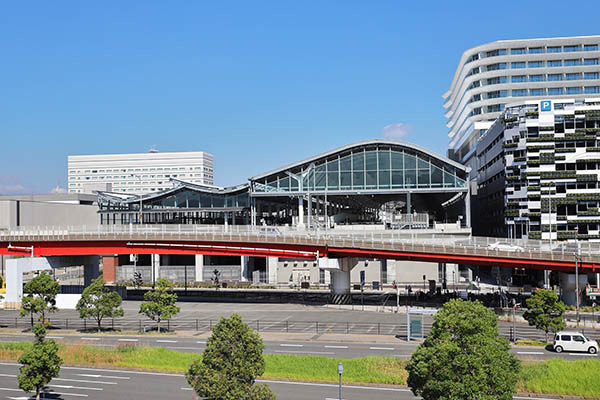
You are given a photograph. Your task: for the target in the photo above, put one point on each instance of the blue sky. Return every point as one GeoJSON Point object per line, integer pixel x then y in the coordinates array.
{"type": "Point", "coordinates": [255, 83]}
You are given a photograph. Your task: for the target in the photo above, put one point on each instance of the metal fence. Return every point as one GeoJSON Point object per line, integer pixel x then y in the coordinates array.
{"type": "Point", "coordinates": [287, 326]}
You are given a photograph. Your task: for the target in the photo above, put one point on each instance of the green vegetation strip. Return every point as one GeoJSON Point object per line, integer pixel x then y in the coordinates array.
{"type": "Point", "coordinates": [555, 376]}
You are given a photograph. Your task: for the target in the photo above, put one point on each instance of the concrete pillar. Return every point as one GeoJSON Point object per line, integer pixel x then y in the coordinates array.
{"type": "Point", "coordinates": [272, 265]}
{"type": "Point", "coordinates": [245, 268]}
{"type": "Point", "coordinates": [468, 206]}
{"type": "Point", "coordinates": [199, 267]}
{"type": "Point", "coordinates": [109, 268]}
{"type": "Point", "coordinates": [408, 204]}
{"type": "Point", "coordinates": [155, 267]}
{"type": "Point", "coordinates": [91, 269]}
{"type": "Point", "coordinates": [567, 286]}
{"type": "Point", "coordinates": [597, 280]}
{"type": "Point", "coordinates": [300, 211]}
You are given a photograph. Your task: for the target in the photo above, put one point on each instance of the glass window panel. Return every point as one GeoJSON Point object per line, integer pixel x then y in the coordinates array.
{"type": "Point", "coordinates": [320, 180]}
{"type": "Point", "coordinates": [358, 162]}
{"type": "Point", "coordinates": [423, 164]}
{"type": "Point", "coordinates": [194, 200]}
{"type": "Point", "coordinates": [218, 201]}
{"type": "Point", "coordinates": [397, 160]}
{"type": "Point", "coordinates": [333, 180]}
{"type": "Point", "coordinates": [424, 178]}
{"type": "Point", "coordinates": [449, 180]}
{"type": "Point", "coordinates": [410, 177]}
{"type": "Point", "coordinates": [320, 168]}
{"type": "Point", "coordinates": [371, 180]}
{"type": "Point", "coordinates": [358, 180]}
{"type": "Point", "coordinates": [384, 179]}
{"type": "Point", "coordinates": [371, 160]}
{"type": "Point", "coordinates": [333, 166]}
{"type": "Point", "coordinates": [437, 179]}
{"type": "Point", "coordinates": [460, 182]}
{"type": "Point", "coordinates": [345, 164]}
{"type": "Point", "coordinates": [384, 159]}
{"type": "Point", "coordinates": [397, 180]}
{"type": "Point", "coordinates": [294, 184]}
{"type": "Point", "coordinates": [284, 184]}
{"type": "Point", "coordinates": [346, 180]}
{"type": "Point", "coordinates": [205, 201]}
{"type": "Point", "coordinates": [410, 162]}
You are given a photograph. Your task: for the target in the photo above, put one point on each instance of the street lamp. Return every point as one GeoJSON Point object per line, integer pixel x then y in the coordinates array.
{"type": "Point", "coordinates": [340, 370]}
{"type": "Point", "coordinates": [577, 261]}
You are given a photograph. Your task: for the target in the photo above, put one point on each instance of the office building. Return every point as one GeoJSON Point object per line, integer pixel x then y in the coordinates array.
{"type": "Point", "coordinates": [538, 171]}
{"type": "Point", "coordinates": [138, 173]}
{"type": "Point", "coordinates": [491, 75]}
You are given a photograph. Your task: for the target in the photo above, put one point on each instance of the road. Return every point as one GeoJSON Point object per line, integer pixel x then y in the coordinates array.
{"type": "Point", "coordinates": [98, 383]}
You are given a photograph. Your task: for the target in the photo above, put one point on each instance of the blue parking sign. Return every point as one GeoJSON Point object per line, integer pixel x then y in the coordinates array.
{"type": "Point", "coordinates": [546, 105]}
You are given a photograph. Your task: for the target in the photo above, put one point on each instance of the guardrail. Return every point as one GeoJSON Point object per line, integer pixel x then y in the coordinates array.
{"type": "Point", "coordinates": [384, 240]}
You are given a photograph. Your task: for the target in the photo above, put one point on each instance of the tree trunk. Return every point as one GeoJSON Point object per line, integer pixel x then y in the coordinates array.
{"type": "Point", "coordinates": [158, 325]}
{"type": "Point", "coordinates": [546, 336]}
{"type": "Point", "coordinates": [31, 314]}
{"type": "Point", "coordinates": [37, 393]}
{"type": "Point", "coordinates": [99, 324]}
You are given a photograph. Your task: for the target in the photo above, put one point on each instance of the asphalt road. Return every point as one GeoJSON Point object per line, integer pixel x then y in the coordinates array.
{"type": "Point", "coordinates": [96, 383]}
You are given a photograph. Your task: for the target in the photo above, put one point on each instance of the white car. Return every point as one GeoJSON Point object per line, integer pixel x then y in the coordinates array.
{"type": "Point", "coordinates": [504, 246]}
{"type": "Point", "coordinates": [574, 341]}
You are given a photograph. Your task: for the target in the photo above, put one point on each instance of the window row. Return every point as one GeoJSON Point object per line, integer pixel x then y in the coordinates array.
{"type": "Point", "coordinates": [534, 50]}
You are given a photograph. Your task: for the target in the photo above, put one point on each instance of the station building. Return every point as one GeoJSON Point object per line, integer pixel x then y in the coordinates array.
{"type": "Point", "coordinates": [371, 185]}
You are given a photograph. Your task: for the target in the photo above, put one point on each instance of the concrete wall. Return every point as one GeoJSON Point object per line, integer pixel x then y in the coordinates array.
{"type": "Point", "coordinates": [8, 214]}
{"type": "Point", "coordinates": [57, 214]}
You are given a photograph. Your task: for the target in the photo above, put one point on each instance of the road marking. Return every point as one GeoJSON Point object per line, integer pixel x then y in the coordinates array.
{"type": "Point", "coordinates": [90, 338]}
{"type": "Point", "coordinates": [103, 376]}
{"type": "Point", "coordinates": [127, 340]}
{"type": "Point", "coordinates": [291, 345]}
{"type": "Point", "coordinates": [201, 342]}
{"type": "Point", "coordinates": [583, 354]}
{"type": "Point", "coordinates": [530, 352]}
{"type": "Point", "coordinates": [304, 352]}
{"type": "Point", "coordinates": [336, 347]}
{"type": "Point", "coordinates": [166, 341]}
{"type": "Point", "coordinates": [74, 387]}
{"type": "Point", "coordinates": [54, 337]}
{"type": "Point", "coordinates": [84, 381]}
{"type": "Point", "coordinates": [381, 348]}
{"type": "Point", "coordinates": [52, 392]}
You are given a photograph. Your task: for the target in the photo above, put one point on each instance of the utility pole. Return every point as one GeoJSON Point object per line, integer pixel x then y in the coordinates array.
{"type": "Point", "coordinates": [577, 261]}
{"type": "Point", "coordinates": [340, 371]}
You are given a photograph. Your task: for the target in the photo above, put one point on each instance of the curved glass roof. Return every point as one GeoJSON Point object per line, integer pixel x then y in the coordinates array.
{"type": "Point", "coordinates": [371, 165]}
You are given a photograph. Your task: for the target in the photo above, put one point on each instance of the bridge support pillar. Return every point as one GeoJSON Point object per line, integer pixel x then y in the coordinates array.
{"type": "Point", "coordinates": [199, 267]}
{"type": "Point", "coordinates": [91, 269]}
{"type": "Point", "coordinates": [567, 287]}
{"type": "Point", "coordinates": [339, 269]}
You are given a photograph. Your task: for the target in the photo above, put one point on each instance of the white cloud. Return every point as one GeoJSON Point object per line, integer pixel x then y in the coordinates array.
{"type": "Point", "coordinates": [397, 131]}
{"type": "Point", "coordinates": [11, 189]}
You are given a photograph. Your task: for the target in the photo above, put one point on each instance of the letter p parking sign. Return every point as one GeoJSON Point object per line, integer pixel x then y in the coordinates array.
{"type": "Point", "coordinates": [546, 105]}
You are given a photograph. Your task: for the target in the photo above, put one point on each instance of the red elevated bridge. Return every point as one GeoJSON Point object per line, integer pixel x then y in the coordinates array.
{"type": "Point", "coordinates": [302, 244]}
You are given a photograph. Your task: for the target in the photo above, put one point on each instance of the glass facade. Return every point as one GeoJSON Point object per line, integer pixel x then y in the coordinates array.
{"type": "Point", "coordinates": [368, 169]}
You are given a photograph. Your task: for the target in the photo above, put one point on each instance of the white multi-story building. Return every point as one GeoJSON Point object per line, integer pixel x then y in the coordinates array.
{"type": "Point", "coordinates": [494, 74]}
{"type": "Point", "coordinates": [138, 173]}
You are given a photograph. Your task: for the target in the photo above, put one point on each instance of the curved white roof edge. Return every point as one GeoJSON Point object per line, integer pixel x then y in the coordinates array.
{"type": "Point", "coordinates": [365, 143]}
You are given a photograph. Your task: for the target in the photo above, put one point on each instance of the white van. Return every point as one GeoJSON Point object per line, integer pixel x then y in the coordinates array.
{"type": "Point", "coordinates": [574, 341]}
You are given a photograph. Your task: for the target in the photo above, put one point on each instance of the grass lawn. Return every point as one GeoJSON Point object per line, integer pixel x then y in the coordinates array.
{"type": "Point", "coordinates": [555, 376]}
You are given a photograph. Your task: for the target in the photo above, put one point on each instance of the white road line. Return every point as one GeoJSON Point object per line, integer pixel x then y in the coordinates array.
{"type": "Point", "coordinates": [90, 338]}
{"type": "Point", "coordinates": [53, 392]}
{"type": "Point", "coordinates": [336, 347]}
{"type": "Point", "coordinates": [74, 387]}
{"type": "Point", "coordinates": [290, 345]}
{"type": "Point", "coordinates": [84, 381]}
{"type": "Point", "coordinates": [583, 354]}
{"type": "Point", "coordinates": [187, 389]}
{"type": "Point", "coordinates": [304, 352]}
{"type": "Point", "coordinates": [103, 376]}
{"type": "Point", "coordinates": [54, 337]}
{"type": "Point", "coordinates": [530, 352]}
{"type": "Point", "coordinates": [166, 341]}
{"type": "Point", "coordinates": [201, 342]}
{"type": "Point", "coordinates": [381, 348]}
{"type": "Point", "coordinates": [127, 340]}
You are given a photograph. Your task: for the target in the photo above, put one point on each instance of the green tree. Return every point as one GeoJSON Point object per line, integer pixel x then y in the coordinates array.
{"type": "Point", "coordinates": [545, 311]}
{"type": "Point", "coordinates": [463, 358]}
{"type": "Point", "coordinates": [230, 364]}
{"type": "Point", "coordinates": [40, 297]}
{"type": "Point", "coordinates": [98, 302]}
{"type": "Point", "coordinates": [41, 363]}
{"type": "Point", "coordinates": [159, 303]}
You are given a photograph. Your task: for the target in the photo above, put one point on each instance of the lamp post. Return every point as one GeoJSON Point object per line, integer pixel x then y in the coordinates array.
{"type": "Point", "coordinates": [547, 272]}
{"type": "Point", "coordinates": [340, 370]}
{"type": "Point", "coordinates": [577, 261]}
